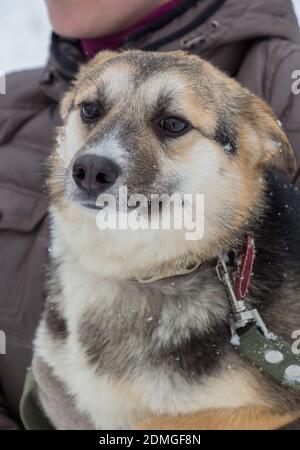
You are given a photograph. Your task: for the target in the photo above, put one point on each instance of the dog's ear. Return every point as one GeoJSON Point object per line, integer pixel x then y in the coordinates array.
{"type": "Point", "coordinates": [275, 151]}
{"type": "Point", "coordinates": [100, 58]}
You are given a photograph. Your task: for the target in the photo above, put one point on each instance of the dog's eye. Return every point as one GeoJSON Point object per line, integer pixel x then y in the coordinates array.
{"type": "Point", "coordinates": [89, 112]}
{"type": "Point", "coordinates": [174, 126]}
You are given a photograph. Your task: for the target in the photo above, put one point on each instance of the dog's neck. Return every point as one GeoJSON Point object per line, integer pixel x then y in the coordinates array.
{"type": "Point", "coordinates": [187, 283]}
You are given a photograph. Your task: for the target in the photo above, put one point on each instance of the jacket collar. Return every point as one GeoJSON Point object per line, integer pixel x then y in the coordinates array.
{"type": "Point", "coordinates": [63, 63]}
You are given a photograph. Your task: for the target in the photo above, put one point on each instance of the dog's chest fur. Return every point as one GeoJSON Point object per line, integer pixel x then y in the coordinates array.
{"type": "Point", "coordinates": [124, 351]}
{"type": "Point", "coordinates": [128, 350]}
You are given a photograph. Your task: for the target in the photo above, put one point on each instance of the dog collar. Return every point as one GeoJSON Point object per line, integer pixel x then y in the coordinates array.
{"type": "Point", "coordinates": [180, 268]}
{"type": "Point", "coordinates": [266, 351]}
{"type": "Point", "coordinates": [185, 267]}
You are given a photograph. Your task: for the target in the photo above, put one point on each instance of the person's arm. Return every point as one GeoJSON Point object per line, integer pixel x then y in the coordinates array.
{"type": "Point", "coordinates": [6, 422]}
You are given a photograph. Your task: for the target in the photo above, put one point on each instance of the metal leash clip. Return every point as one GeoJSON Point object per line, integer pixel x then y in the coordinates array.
{"type": "Point", "coordinates": [240, 314]}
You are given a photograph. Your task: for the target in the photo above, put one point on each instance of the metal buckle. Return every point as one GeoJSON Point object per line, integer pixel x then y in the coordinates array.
{"type": "Point", "coordinates": [240, 314]}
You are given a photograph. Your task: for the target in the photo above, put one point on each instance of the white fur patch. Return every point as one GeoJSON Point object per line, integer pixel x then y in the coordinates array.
{"type": "Point", "coordinates": [117, 81]}
{"type": "Point", "coordinates": [109, 147]}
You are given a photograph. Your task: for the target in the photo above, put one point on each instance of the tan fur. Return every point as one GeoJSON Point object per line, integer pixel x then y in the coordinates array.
{"type": "Point", "coordinates": [246, 418]}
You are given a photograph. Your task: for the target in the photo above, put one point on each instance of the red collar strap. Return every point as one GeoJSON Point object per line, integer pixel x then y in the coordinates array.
{"type": "Point", "coordinates": [243, 276]}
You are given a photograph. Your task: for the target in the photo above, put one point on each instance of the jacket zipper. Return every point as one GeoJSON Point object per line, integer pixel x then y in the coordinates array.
{"type": "Point", "coordinates": [187, 29]}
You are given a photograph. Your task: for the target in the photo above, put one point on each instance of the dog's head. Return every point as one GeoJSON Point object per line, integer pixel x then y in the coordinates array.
{"type": "Point", "coordinates": [161, 123]}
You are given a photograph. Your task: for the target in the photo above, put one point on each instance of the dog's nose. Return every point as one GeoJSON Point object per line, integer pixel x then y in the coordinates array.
{"type": "Point", "coordinates": [94, 174]}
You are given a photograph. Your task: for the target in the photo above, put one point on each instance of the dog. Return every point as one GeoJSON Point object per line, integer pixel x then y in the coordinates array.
{"type": "Point", "coordinates": [135, 331]}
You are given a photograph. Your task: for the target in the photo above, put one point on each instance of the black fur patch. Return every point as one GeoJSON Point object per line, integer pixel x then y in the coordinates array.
{"type": "Point", "coordinates": [275, 285]}
{"type": "Point", "coordinates": [198, 355]}
{"type": "Point", "coordinates": [226, 137]}
{"type": "Point", "coordinates": [277, 262]}
{"type": "Point", "coordinates": [56, 324]}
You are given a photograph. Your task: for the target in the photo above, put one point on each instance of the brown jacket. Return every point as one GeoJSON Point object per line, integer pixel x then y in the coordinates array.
{"type": "Point", "coordinates": [256, 41]}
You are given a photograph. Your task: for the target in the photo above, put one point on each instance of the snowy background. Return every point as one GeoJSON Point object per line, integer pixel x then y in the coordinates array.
{"type": "Point", "coordinates": [297, 8]}
{"type": "Point", "coordinates": [25, 31]}
{"type": "Point", "coordinates": [24, 34]}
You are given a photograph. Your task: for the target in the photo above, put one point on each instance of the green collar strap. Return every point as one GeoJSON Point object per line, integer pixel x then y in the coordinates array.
{"type": "Point", "coordinates": [272, 355]}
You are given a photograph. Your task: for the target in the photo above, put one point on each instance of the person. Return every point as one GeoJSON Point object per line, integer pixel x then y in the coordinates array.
{"type": "Point", "coordinates": [256, 42]}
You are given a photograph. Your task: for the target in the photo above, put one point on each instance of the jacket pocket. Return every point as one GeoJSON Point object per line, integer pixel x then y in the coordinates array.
{"type": "Point", "coordinates": [20, 210]}
{"type": "Point", "coordinates": [23, 253]}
